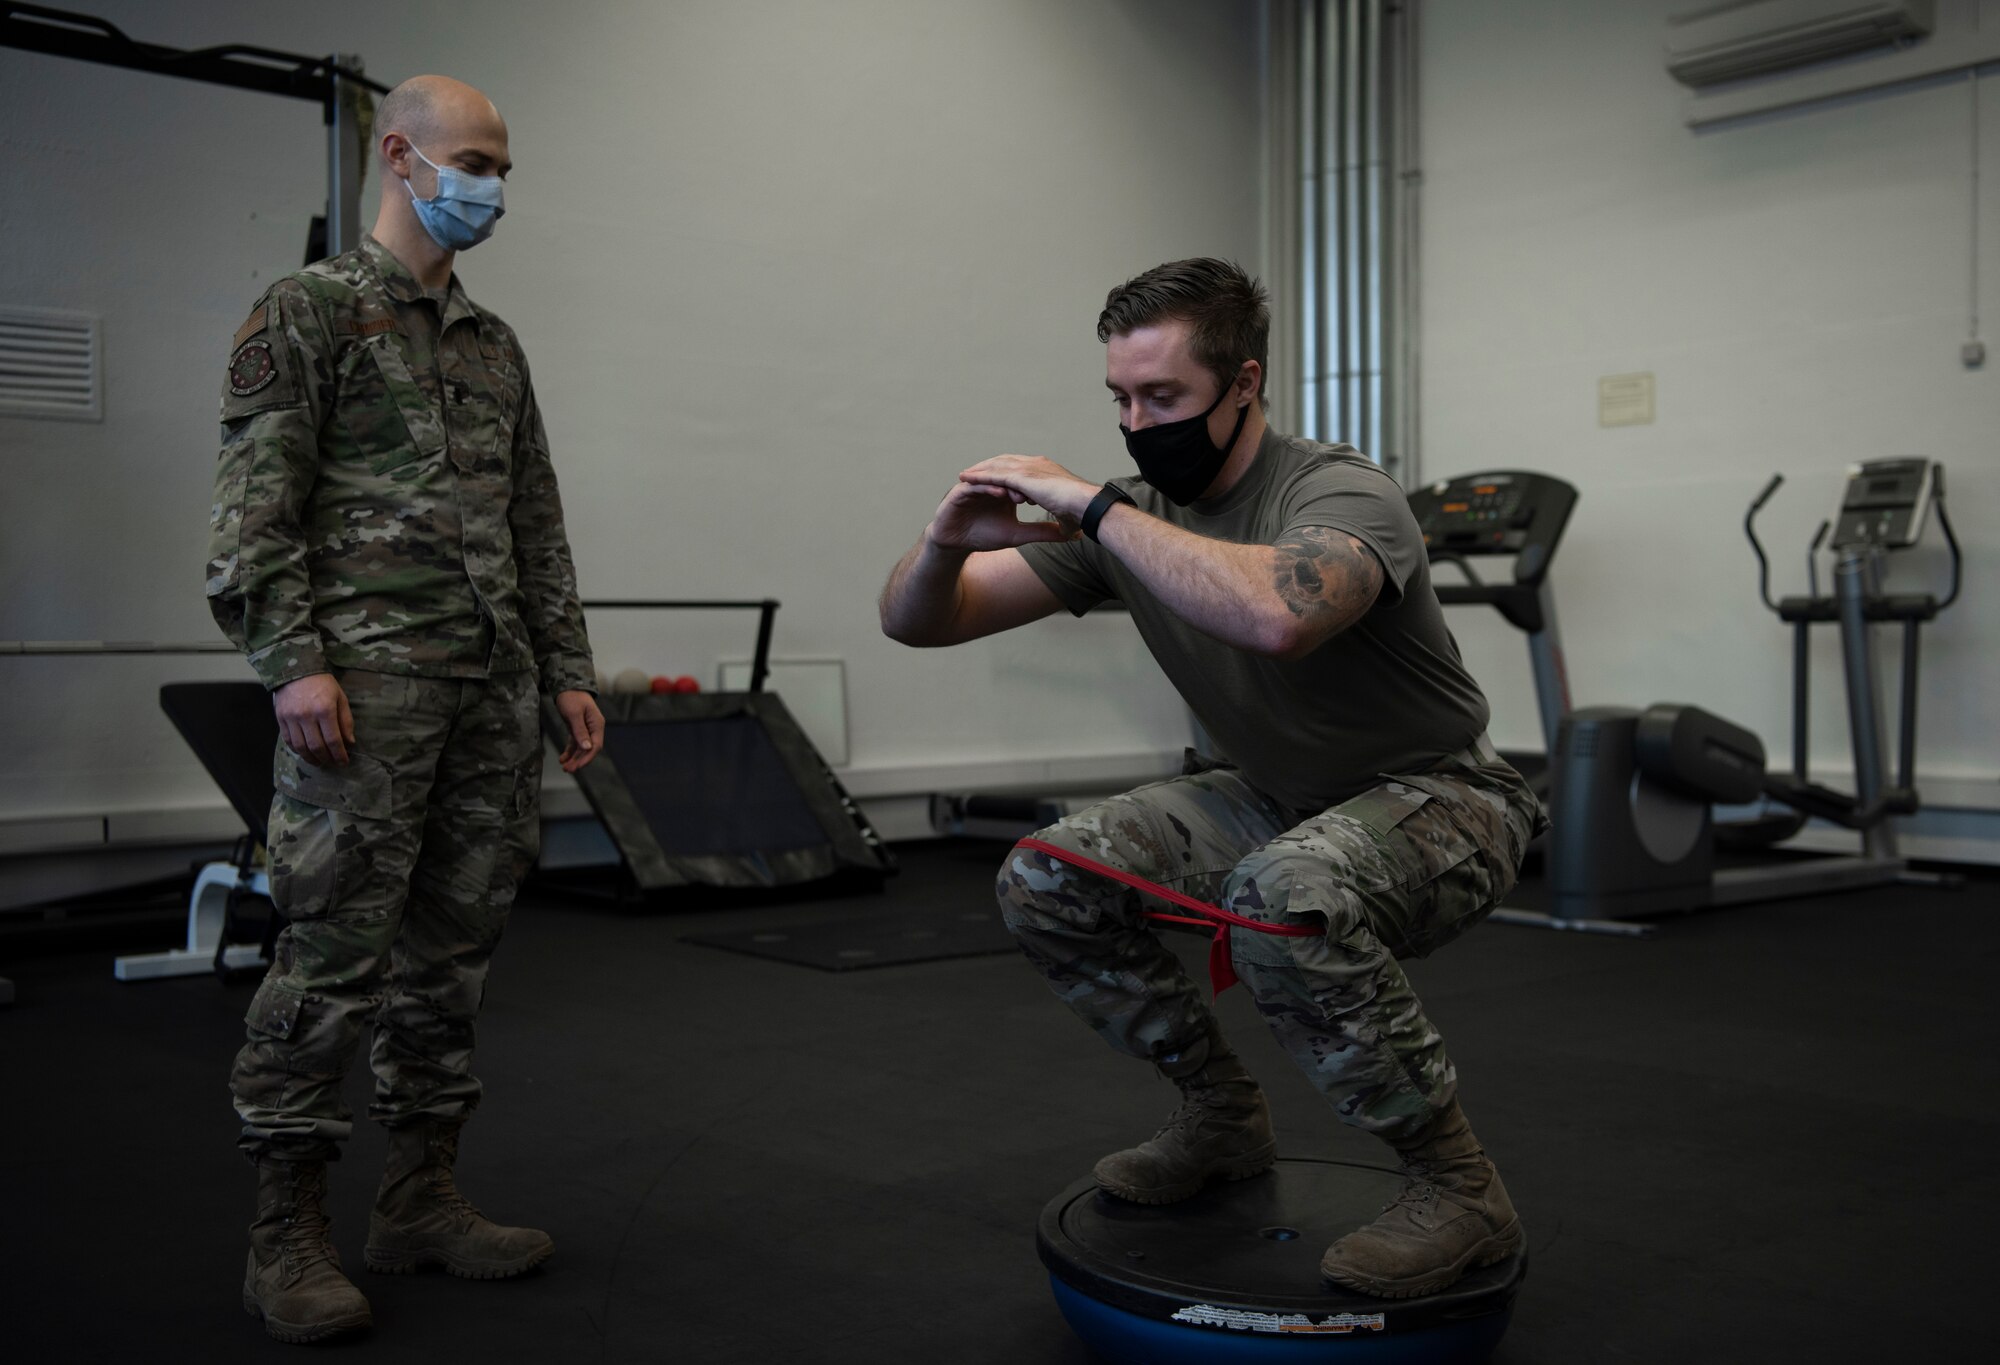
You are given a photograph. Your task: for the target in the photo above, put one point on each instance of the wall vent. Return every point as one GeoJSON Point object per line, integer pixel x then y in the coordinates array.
{"type": "Point", "coordinates": [50, 364]}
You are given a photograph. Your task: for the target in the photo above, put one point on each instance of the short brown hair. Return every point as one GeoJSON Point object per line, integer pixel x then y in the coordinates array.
{"type": "Point", "coordinates": [1229, 313]}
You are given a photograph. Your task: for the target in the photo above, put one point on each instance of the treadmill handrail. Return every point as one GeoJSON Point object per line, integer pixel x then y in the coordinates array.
{"type": "Point", "coordinates": [1520, 605]}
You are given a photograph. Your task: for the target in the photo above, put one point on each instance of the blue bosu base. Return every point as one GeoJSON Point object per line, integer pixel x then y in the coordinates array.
{"type": "Point", "coordinates": [1233, 1275]}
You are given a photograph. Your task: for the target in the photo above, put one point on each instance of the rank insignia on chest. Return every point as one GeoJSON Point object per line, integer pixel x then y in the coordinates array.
{"type": "Point", "coordinates": [251, 368]}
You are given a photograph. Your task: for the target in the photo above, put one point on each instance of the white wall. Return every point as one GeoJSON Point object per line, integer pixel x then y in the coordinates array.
{"type": "Point", "coordinates": [1797, 283]}
{"type": "Point", "coordinates": [782, 268]}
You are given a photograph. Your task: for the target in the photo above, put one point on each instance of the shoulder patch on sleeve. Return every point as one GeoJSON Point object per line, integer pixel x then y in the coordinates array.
{"type": "Point", "coordinates": [264, 366]}
{"type": "Point", "coordinates": [251, 368]}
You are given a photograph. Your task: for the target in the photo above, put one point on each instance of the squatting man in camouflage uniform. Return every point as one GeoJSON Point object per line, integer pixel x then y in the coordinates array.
{"type": "Point", "coordinates": [388, 550]}
{"type": "Point", "coordinates": [1283, 587]}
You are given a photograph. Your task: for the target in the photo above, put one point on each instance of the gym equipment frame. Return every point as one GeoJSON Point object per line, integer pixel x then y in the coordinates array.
{"type": "Point", "coordinates": [335, 83]}
{"type": "Point", "coordinates": [332, 82]}
{"type": "Point", "coordinates": [773, 814]}
{"type": "Point", "coordinates": [1499, 512]}
{"type": "Point", "coordinates": [1632, 816]}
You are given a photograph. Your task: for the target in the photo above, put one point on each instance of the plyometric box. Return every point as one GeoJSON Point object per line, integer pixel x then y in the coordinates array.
{"type": "Point", "coordinates": [720, 789]}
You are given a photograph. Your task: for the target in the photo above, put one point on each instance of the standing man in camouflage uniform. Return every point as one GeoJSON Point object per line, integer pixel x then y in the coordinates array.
{"type": "Point", "coordinates": [388, 550]}
{"type": "Point", "coordinates": [1284, 588]}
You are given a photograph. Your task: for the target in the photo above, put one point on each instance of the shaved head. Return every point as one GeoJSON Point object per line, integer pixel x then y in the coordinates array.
{"type": "Point", "coordinates": [424, 128]}
{"type": "Point", "coordinates": [437, 113]}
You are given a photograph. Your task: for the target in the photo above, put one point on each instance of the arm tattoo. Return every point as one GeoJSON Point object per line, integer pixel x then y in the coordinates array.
{"type": "Point", "coordinates": [1322, 572]}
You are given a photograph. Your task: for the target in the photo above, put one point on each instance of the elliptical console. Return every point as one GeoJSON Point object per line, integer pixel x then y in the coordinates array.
{"type": "Point", "coordinates": [1885, 503]}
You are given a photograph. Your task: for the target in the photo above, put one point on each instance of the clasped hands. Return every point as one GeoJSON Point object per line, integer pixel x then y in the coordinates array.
{"type": "Point", "coordinates": [978, 512]}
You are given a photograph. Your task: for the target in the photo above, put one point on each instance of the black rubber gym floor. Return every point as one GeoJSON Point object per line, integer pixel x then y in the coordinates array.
{"type": "Point", "coordinates": [1766, 1135]}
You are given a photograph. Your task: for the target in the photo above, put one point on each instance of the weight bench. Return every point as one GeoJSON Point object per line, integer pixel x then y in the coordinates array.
{"type": "Point", "coordinates": [233, 731]}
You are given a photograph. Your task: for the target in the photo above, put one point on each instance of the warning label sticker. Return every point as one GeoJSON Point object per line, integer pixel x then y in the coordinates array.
{"type": "Point", "coordinates": [1247, 1320]}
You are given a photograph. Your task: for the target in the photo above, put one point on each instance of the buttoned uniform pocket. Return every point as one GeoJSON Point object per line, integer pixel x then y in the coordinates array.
{"type": "Point", "coordinates": [1437, 864]}
{"type": "Point", "coordinates": [274, 1010]}
{"type": "Point", "coordinates": [495, 402]}
{"type": "Point", "coordinates": [385, 411]}
{"type": "Point", "coordinates": [359, 787]}
{"type": "Point", "coordinates": [315, 849]}
{"type": "Point", "coordinates": [1499, 817]}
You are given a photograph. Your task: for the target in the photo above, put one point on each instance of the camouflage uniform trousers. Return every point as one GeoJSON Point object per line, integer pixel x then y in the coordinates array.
{"type": "Point", "coordinates": [396, 873]}
{"type": "Point", "coordinates": [1397, 871]}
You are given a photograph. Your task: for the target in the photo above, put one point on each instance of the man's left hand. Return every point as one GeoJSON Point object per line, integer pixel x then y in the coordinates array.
{"type": "Point", "coordinates": [1030, 478]}
{"type": "Point", "coordinates": [586, 729]}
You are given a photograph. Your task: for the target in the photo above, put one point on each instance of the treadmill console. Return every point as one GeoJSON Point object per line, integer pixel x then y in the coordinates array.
{"type": "Point", "coordinates": [1885, 503]}
{"type": "Point", "coordinates": [1501, 512]}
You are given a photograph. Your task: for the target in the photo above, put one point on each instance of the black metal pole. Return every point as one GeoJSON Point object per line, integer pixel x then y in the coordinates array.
{"type": "Point", "coordinates": [1851, 585]}
{"type": "Point", "coordinates": [88, 647]}
{"type": "Point", "coordinates": [1801, 695]}
{"type": "Point", "coordinates": [760, 666]}
{"type": "Point", "coordinates": [765, 607]}
{"type": "Point", "coordinates": [65, 33]}
{"type": "Point", "coordinates": [1906, 737]}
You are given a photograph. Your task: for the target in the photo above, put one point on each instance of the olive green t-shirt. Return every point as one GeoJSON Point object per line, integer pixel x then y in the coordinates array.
{"type": "Point", "coordinates": [1387, 695]}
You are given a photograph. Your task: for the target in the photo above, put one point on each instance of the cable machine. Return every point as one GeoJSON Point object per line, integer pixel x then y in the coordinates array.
{"type": "Point", "coordinates": [335, 83]}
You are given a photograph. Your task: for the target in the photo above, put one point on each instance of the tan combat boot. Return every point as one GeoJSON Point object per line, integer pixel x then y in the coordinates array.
{"type": "Point", "coordinates": [1452, 1216]}
{"type": "Point", "coordinates": [293, 1280]}
{"type": "Point", "coordinates": [421, 1219]}
{"type": "Point", "coordinates": [1221, 1129]}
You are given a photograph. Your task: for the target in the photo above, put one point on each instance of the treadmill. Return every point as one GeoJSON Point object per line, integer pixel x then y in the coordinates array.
{"type": "Point", "coordinates": [1515, 515]}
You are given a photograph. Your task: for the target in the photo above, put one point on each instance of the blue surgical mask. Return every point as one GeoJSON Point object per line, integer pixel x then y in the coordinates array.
{"type": "Point", "coordinates": [463, 211]}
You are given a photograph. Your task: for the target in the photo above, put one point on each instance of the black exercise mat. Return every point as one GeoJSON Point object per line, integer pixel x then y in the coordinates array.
{"type": "Point", "coordinates": [863, 941]}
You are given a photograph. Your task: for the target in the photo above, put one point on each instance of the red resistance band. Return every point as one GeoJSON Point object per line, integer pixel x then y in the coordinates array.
{"type": "Point", "coordinates": [1221, 971]}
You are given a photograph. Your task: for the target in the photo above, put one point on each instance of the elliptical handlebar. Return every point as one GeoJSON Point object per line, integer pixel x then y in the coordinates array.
{"type": "Point", "coordinates": [1750, 530]}
{"type": "Point", "coordinates": [1912, 528]}
{"type": "Point", "coordinates": [1944, 524]}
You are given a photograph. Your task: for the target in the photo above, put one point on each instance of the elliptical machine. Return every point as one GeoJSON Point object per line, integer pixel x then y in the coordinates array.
{"type": "Point", "coordinates": [1633, 829]}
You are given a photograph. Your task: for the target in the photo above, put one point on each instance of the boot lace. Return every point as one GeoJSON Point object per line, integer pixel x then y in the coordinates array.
{"type": "Point", "coordinates": [1197, 1103]}
{"type": "Point", "coordinates": [307, 1236]}
{"type": "Point", "coordinates": [444, 1192]}
{"type": "Point", "coordinates": [1416, 1195]}
{"type": "Point", "coordinates": [443, 1185]}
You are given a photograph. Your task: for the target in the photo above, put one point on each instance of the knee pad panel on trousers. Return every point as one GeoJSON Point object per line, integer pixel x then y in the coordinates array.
{"type": "Point", "coordinates": [482, 830]}
{"type": "Point", "coordinates": [1325, 869]}
{"type": "Point", "coordinates": [1036, 891]}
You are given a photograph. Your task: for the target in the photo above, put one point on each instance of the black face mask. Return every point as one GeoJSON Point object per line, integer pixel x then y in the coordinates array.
{"type": "Point", "coordinates": [1177, 457]}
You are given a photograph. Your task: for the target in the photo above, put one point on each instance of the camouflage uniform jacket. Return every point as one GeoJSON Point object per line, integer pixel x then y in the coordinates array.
{"type": "Point", "coordinates": [384, 498]}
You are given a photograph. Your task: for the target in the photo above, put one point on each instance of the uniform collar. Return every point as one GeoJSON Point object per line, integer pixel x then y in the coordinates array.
{"type": "Point", "coordinates": [404, 288]}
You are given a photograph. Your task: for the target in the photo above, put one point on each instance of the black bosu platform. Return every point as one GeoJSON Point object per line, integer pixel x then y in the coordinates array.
{"type": "Point", "coordinates": [1233, 1275]}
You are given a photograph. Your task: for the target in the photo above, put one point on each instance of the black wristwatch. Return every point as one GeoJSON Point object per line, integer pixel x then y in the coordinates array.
{"type": "Point", "coordinates": [1106, 496]}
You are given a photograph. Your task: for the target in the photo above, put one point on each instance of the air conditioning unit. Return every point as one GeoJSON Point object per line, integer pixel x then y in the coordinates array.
{"type": "Point", "coordinates": [1758, 37]}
